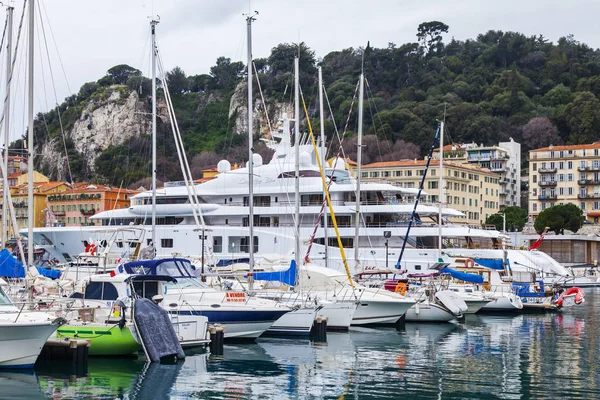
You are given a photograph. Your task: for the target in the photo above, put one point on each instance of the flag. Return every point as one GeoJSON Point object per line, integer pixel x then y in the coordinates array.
{"type": "Point", "coordinates": [119, 270]}
{"type": "Point", "coordinates": [122, 255]}
{"type": "Point", "coordinates": [537, 242]}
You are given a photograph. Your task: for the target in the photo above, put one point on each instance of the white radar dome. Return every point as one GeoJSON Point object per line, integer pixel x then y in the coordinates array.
{"type": "Point", "coordinates": [223, 166]}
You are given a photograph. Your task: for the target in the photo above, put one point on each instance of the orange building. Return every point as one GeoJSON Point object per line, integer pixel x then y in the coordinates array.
{"type": "Point", "coordinates": [74, 206]}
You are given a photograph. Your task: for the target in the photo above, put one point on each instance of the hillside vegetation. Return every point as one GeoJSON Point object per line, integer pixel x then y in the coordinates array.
{"type": "Point", "coordinates": [496, 86]}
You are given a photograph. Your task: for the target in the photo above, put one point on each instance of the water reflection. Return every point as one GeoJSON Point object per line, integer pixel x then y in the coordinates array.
{"type": "Point", "coordinates": [517, 356]}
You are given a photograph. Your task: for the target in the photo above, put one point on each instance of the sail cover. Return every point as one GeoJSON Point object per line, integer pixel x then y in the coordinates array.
{"type": "Point", "coordinates": [463, 276]}
{"type": "Point", "coordinates": [492, 263]}
{"type": "Point", "coordinates": [10, 267]}
{"type": "Point", "coordinates": [287, 276]}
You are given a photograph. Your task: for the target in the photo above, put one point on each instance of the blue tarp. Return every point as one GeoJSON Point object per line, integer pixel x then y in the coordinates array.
{"type": "Point", "coordinates": [463, 276]}
{"type": "Point", "coordinates": [492, 263]}
{"type": "Point", "coordinates": [288, 276]}
{"type": "Point", "coordinates": [48, 273]}
{"type": "Point", "coordinates": [10, 267]}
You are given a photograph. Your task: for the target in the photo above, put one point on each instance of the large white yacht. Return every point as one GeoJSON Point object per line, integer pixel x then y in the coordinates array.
{"type": "Point", "coordinates": [223, 205]}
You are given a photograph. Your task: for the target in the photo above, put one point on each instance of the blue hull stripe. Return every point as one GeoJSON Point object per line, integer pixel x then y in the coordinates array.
{"type": "Point", "coordinates": [236, 316]}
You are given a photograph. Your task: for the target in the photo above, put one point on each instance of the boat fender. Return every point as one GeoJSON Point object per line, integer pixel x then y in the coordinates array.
{"type": "Point", "coordinates": [400, 288]}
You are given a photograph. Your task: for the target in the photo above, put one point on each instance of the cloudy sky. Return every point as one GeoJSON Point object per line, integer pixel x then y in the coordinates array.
{"type": "Point", "coordinates": [92, 36]}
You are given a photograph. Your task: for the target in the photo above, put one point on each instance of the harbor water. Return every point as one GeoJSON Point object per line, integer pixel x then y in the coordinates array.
{"type": "Point", "coordinates": [521, 356]}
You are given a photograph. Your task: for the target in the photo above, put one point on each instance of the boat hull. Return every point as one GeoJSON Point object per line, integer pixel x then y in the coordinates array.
{"type": "Point", "coordinates": [503, 304]}
{"type": "Point", "coordinates": [105, 340]}
{"type": "Point", "coordinates": [339, 315]}
{"type": "Point", "coordinates": [294, 323]}
{"type": "Point", "coordinates": [21, 343]}
{"type": "Point", "coordinates": [427, 312]}
{"type": "Point", "coordinates": [475, 305]}
{"type": "Point", "coordinates": [372, 311]}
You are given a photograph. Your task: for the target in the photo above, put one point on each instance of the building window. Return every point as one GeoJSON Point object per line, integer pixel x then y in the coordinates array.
{"type": "Point", "coordinates": [398, 173]}
{"type": "Point", "coordinates": [166, 243]}
{"type": "Point", "coordinates": [534, 206]}
{"type": "Point", "coordinates": [570, 165]}
{"type": "Point", "coordinates": [570, 191]}
{"type": "Point", "coordinates": [217, 244]}
{"type": "Point", "coordinates": [582, 205]}
{"type": "Point", "coordinates": [535, 179]}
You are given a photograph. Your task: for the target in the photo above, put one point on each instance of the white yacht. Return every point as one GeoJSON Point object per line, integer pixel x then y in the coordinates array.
{"type": "Point", "coordinates": [224, 200]}
{"type": "Point", "coordinates": [22, 333]}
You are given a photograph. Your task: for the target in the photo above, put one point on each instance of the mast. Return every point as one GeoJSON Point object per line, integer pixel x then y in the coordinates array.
{"type": "Point", "coordinates": [323, 160]}
{"type": "Point", "coordinates": [249, 20]}
{"type": "Point", "coordinates": [7, 123]}
{"type": "Point", "coordinates": [153, 28]}
{"type": "Point", "coordinates": [30, 205]}
{"type": "Point", "coordinates": [441, 191]}
{"type": "Point", "coordinates": [297, 153]}
{"type": "Point", "coordinates": [358, 167]}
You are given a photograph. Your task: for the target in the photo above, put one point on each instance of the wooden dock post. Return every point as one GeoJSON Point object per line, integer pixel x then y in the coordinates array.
{"type": "Point", "coordinates": [217, 336]}
{"type": "Point", "coordinates": [318, 332]}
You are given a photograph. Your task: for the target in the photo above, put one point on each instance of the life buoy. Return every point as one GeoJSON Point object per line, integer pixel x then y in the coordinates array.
{"type": "Point", "coordinates": [91, 248]}
{"type": "Point", "coordinates": [469, 263]}
{"type": "Point", "coordinates": [400, 288]}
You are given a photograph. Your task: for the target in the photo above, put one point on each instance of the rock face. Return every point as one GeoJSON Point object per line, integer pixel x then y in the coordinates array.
{"type": "Point", "coordinates": [109, 122]}
{"type": "Point", "coordinates": [238, 108]}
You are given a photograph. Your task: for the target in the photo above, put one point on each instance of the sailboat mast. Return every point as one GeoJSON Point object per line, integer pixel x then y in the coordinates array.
{"type": "Point", "coordinates": [153, 28]}
{"type": "Point", "coordinates": [30, 134]}
{"type": "Point", "coordinates": [441, 190]}
{"type": "Point", "coordinates": [249, 20]}
{"type": "Point", "coordinates": [7, 123]}
{"type": "Point", "coordinates": [358, 167]}
{"type": "Point", "coordinates": [297, 153]}
{"type": "Point", "coordinates": [323, 160]}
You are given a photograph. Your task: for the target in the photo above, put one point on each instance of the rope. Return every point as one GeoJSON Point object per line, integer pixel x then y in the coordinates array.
{"type": "Point", "coordinates": [325, 187]}
{"type": "Point", "coordinates": [340, 150]}
{"type": "Point", "coordinates": [62, 131]}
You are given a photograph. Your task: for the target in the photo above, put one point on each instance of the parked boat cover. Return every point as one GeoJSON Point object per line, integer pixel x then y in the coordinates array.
{"type": "Point", "coordinates": [155, 330]}
{"type": "Point", "coordinates": [455, 304]}
{"type": "Point", "coordinates": [463, 276]}
{"type": "Point", "coordinates": [48, 273]}
{"type": "Point", "coordinates": [287, 276]}
{"type": "Point", "coordinates": [492, 263]}
{"type": "Point", "coordinates": [10, 267]}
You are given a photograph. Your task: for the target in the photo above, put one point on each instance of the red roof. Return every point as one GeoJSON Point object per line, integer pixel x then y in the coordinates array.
{"type": "Point", "coordinates": [422, 163]}
{"type": "Point", "coordinates": [595, 145]}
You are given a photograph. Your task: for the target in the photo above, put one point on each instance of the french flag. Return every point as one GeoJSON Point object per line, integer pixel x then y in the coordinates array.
{"type": "Point", "coordinates": [119, 270]}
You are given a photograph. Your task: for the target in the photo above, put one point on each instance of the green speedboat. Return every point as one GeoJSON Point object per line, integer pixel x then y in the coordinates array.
{"type": "Point", "coordinates": [105, 339]}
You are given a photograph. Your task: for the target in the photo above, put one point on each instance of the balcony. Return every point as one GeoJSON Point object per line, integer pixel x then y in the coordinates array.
{"type": "Point", "coordinates": [584, 196]}
{"type": "Point", "coordinates": [547, 170]}
{"type": "Point", "coordinates": [547, 197]}
{"type": "Point", "coordinates": [498, 168]}
{"type": "Point", "coordinates": [87, 212]}
{"type": "Point", "coordinates": [547, 183]}
{"type": "Point", "coordinates": [589, 169]}
{"type": "Point", "coordinates": [589, 181]}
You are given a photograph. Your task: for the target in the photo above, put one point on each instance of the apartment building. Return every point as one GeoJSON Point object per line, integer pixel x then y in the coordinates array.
{"type": "Point", "coordinates": [473, 190]}
{"type": "Point", "coordinates": [565, 174]}
{"type": "Point", "coordinates": [75, 206]}
{"type": "Point", "coordinates": [503, 159]}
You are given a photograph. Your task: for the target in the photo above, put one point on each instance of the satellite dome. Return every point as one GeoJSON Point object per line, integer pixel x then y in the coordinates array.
{"type": "Point", "coordinates": [223, 166]}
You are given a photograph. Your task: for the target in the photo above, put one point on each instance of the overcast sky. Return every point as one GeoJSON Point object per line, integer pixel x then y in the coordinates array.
{"type": "Point", "coordinates": [92, 36]}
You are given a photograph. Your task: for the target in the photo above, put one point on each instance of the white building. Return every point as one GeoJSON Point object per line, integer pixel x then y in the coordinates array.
{"type": "Point", "coordinates": [503, 159]}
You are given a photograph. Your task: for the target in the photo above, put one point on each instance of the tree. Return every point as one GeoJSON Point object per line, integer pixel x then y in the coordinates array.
{"type": "Point", "coordinates": [226, 73]}
{"type": "Point", "coordinates": [430, 35]}
{"type": "Point", "coordinates": [583, 118]}
{"type": "Point", "coordinates": [120, 73]}
{"type": "Point", "coordinates": [558, 218]}
{"type": "Point", "coordinates": [539, 132]}
{"type": "Point", "coordinates": [177, 81]}
{"type": "Point", "coordinates": [516, 217]}
{"type": "Point", "coordinates": [206, 159]}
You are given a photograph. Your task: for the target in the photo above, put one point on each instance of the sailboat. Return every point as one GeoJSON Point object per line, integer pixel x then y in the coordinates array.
{"type": "Point", "coordinates": [24, 333]}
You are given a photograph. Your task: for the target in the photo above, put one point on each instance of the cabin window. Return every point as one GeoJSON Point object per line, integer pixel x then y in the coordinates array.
{"type": "Point", "coordinates": [417, 267]}
{"type": "Point", "coordinates": [101, 291]}
{"type": "Point", "coordinates": [146, 289]}
{"type": "Point", "coordinates": [218, 244]}
{"type": "Point", "coordinates": [166, 243]}
{"type": "Point", "coordinates": [264, 201]}
{"type": "Point", "coordinates": [244, 244]}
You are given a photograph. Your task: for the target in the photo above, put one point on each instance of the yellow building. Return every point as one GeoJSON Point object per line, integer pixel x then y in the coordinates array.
{"type": "Point", "coordinates": [467, 188]}
{"type": "Point", "coordinates": [563, 175]}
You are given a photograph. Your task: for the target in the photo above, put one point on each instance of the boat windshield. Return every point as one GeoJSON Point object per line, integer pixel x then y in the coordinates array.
{"type": "Point", "coordinates": [185, 283]}
{"type": "Point", "coordinates": [4, 300]}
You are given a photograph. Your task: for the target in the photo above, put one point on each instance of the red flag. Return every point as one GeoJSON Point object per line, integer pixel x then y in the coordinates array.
{"type": "Point", "coordinates": [537, 242]}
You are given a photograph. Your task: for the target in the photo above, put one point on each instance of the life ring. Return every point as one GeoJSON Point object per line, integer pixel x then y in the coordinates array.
{"type": "Point", "coordinates": [91, 248]}
{"type": "Point", "coordinates": [469, 263]}
{"type": "Point", "coordinates": [400, 288]}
